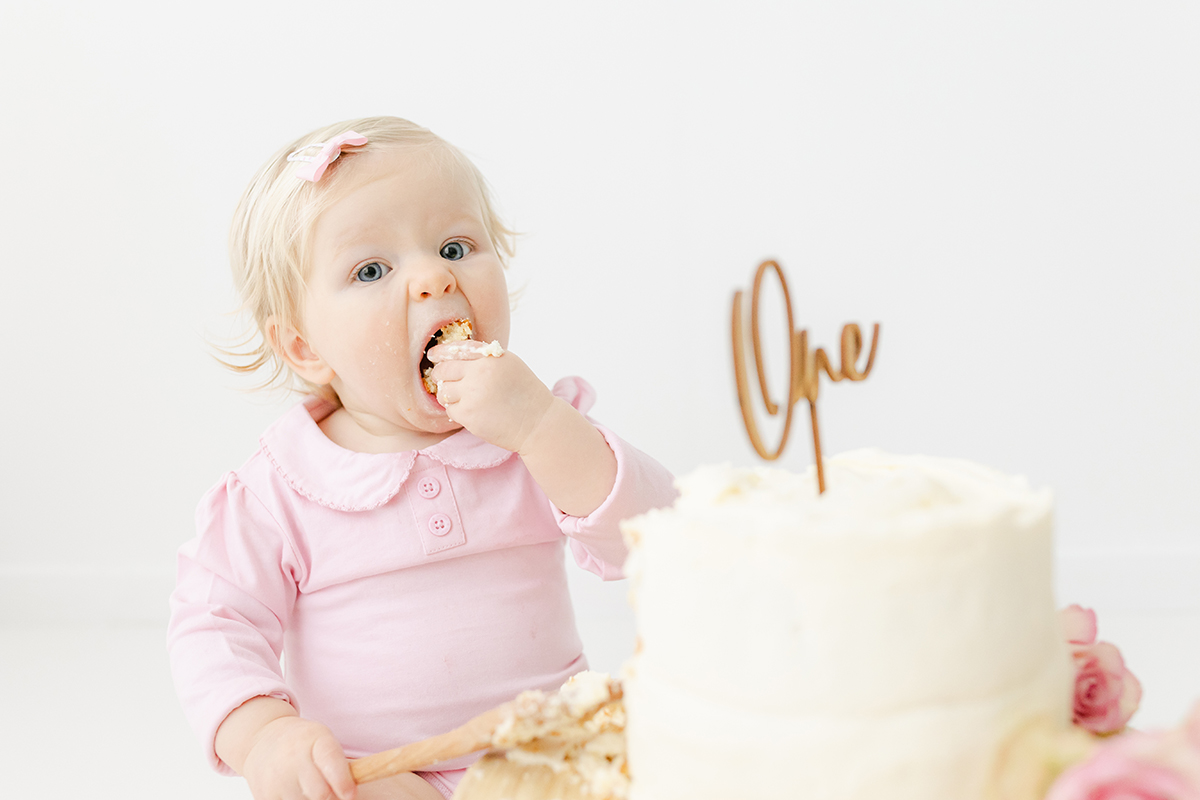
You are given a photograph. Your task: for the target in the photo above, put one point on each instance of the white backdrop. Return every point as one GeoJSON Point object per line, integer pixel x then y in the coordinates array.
{"type": "Point", "coordinates": [1011, 189]}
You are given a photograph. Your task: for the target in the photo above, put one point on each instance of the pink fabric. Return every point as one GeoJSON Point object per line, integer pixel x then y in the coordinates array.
{"type": "Point", "coordinates": [392, 627]}
{"type": "Point", "coordinates": [445, 781]}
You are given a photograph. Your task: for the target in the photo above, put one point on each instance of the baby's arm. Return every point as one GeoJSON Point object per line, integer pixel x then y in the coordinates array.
{"type": "Point", "coordinates": [569, 459]}
{"type": "Point", "coordinates": [281, 754]}
{"type": "Point", "coordinates": [234, 598]}
{"type": "Point", "coordinates": [503, 402]}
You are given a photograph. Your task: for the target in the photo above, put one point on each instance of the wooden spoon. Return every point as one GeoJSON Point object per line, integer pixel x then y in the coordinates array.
{"type": "Point", "coordinates": [473, 735]}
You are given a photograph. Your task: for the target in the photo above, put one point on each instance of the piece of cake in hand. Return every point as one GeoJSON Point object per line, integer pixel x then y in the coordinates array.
{"type": "Point", "coordinates": [459, 330]}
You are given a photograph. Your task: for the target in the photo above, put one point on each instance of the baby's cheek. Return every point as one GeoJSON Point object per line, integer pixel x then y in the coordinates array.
{"type": "Point", "coordinates": [375, 363]}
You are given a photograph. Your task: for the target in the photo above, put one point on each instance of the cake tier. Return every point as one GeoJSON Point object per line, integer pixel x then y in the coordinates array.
{"type": "Point", "coordinates": [686, 747]}
{"type": "Point", "coordinates": [873, 626]}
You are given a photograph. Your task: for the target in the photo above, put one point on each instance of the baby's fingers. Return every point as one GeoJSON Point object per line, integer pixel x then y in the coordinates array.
{"type": "Point", "coordinates": [465, 350]}
{"type": "Point", "coordinates": [334, 770]}
{"type": "Point", "coordinates": [447, 394]}
{"type": "Point", "coordinates": [313, 785]}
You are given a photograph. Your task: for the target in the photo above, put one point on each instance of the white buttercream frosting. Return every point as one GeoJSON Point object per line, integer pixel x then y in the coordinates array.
{"type": "Point", "coordinates": [881, 640]}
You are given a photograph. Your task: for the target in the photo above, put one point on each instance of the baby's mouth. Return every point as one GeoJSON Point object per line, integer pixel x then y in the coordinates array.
{"type": "Point", "coordinates": [456, 331]}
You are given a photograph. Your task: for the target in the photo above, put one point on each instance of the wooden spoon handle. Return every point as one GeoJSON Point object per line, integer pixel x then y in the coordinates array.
{"type": "Point", "coordinates": [473, 735]}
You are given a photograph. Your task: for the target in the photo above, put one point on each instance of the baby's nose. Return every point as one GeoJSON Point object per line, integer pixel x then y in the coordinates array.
{"type": "Point", "coordinates": [431, 279]}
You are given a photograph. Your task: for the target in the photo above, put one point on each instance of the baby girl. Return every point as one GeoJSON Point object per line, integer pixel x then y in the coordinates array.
{"type": "Point", "coordinates": [389, 562]}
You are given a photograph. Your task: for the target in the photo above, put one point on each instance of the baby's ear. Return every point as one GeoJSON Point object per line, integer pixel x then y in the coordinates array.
{"type": "Point", "coordinates": [290, 345]}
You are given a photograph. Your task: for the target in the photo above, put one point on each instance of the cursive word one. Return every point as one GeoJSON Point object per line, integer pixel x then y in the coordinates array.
{"type": "Point", "coordinates": [804, 368]}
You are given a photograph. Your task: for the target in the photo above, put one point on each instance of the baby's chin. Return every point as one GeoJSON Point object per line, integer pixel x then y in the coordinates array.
{"type": "Point", "coordinates": [444, 425]}
{"type": "Point", "coordinates": [401, 405]}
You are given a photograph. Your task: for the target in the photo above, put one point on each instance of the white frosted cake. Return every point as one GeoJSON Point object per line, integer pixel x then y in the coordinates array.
{"type": "Point", "coordinates": [884, 640]}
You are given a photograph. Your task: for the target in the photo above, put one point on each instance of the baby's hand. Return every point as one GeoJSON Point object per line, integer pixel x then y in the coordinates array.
{"type": "Point", "coordinates": [297, 759]}
{"type": "Point", "coordinates": [498, 399]}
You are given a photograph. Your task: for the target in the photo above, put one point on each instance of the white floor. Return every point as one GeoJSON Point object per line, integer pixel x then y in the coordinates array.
{"type": "Point", "coordinates": [91, 713]}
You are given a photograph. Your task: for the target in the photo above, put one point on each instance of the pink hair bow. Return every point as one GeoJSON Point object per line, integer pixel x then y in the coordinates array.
{"type": "Point", "coordinates": [316, 166]}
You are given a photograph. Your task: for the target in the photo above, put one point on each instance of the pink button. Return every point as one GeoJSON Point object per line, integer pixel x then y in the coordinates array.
{"type": "Point", "coordinates": [428, 487]}
{"type": "Point", "coordinates": [440, 524]}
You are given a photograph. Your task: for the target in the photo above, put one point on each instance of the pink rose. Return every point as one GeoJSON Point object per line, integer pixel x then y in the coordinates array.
{"type": "Point", "coordinates": [1106, 692]}
{"type": "Point", "coordinates": [1112, 776]}
{"type": "Point", "coordinates": [1078, 624]}
{"type": "Point", "coordinates": [1136, 766]}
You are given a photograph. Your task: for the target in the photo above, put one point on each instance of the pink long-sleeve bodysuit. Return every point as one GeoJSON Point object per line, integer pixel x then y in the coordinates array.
{"type": "Point", "coordinates": [406, 592]}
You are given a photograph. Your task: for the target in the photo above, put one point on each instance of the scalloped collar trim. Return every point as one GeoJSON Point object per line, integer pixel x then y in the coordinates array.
{"type": "Point", "coordinates": [348, 481]}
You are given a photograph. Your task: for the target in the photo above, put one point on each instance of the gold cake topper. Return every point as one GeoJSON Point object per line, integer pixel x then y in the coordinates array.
{"type": "Point", "coordinates": [804, 368]}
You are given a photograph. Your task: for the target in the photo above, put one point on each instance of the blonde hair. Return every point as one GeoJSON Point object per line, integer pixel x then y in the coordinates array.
{"type": "Point", "coordinates": [269, 241]}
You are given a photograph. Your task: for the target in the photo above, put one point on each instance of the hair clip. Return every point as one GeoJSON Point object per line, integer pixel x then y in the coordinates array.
{"type": "Point", "coordinates": [316, 166]}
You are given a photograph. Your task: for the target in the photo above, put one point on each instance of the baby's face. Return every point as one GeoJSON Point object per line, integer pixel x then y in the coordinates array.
{"type": "Point", "coordinates": [402, 252]}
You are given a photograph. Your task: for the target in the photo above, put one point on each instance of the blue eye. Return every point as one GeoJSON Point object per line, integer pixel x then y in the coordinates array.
{"type": "Point", "coordinates": [453, 251]}
{"type": "Point", "coordinates": [368, 273]}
